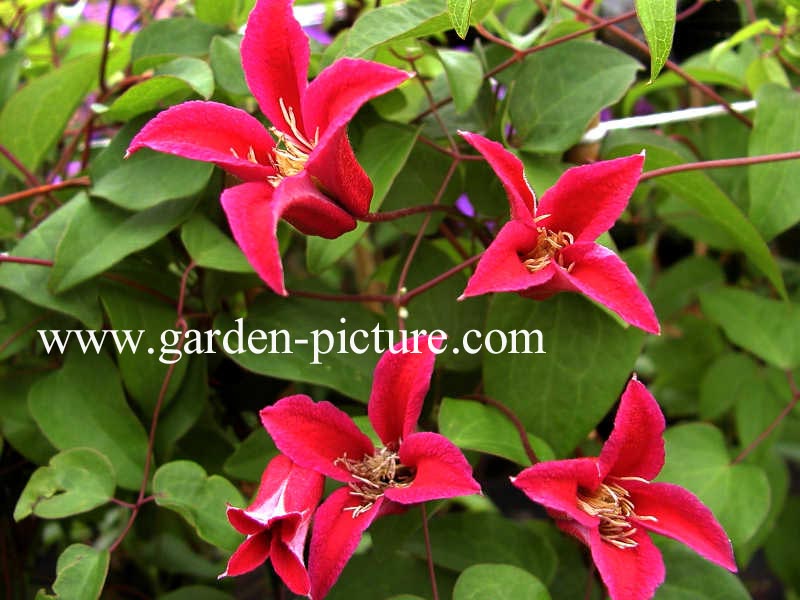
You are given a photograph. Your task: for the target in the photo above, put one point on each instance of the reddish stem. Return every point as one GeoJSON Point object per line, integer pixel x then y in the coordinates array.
{"type": "Point", "coordinates": [27, 174]}
{"type": "Point", "coordinates": [106, 47]}
{"type": "Point", "coordinates": [393, 215]}
{"type": "Point", "coordinates": [720, 164]}
{"type": "Point", "coordinates": [521, 431]}
{"type": "Point", "coordinates": [429, 552]}
{"type": "Point", "coordinates": [45, 189]}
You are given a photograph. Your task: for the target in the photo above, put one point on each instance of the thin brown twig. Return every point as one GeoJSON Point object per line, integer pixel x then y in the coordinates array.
{"type": "Point", "coordinates": [429, 552]}
{"type": "Point", "coordinates": [720, 164]}
{"type": "Point", "coordinates": [26, 173]}
{"type": "Point", "coordinates": [106, 47]}
{"type": "Point", "coordinates": [45, 189]}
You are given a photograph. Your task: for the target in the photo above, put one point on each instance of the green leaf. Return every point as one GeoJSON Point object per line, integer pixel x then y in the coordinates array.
{"type": "Point", "coordinates": [745, 33]}
{"type": "Point", "coordinates": [560, 396]}
{"type": "Point", "coordinates": [183, 486]}
{"type": "Point", "coordinates": [465, 76]}
{"type": "Point", "coordinates": [34, 118]}
{"type": "Point", "coordinates": [704, 196]}
{"type": "Point", "coordinates": [499, 582]}
{"type": "Point", "coordinates": [83, 405]}
{"type": "Point", "coordinates": [314, 321]}
{"type": "Point", "coordinates": [186, 407]}
{"type": "Point", "coordinates": [679, 285]}
{"type": "Point", "coordinates": [81, 573]}
{"type": "Point", "coordinates": [216, 12]}
{"type": "Point", "coordinates": [460, 12]}
{"type": "Point", "coordinates": [657, 18]}
{"type": "Point", "coordinates": [179, 37]}
{"type": "Point", "coordinates": [383, 153]}
{"type": "Point", "coordinates": [16, 423]}
{"type": "Point", "coordinates": [731, 377]}
{"type": "Point", "coordinates": [116, 233]}
{"type": "Point", "coordinates": [474, 426]}
{"type": "Point", "coordinates": [10, 67]}
{"type": "Point", "coordinates": [692, 577]}
{"type": "Point", "coordinates": [551, 106]}
{"type": "Point", "coordinates": [781, 547]}
{"type": "Point", "coordinates": [148, 178]}
{"type": "Point", "coordinates": [226, 62]}
{"type": "Point", "coordinates": [251, 457]}
{"type": "Point", "coordinates": [763, 70]}
{"type": "Point", "coordinates": [31, 282]}
{"type": "Point", "coordinates": [211, 248]}
{"type": "Point", "coordinates": [774, 203]}
{"type": "Point", "coordinates": [76, 481]}
{"type": "Point", "coordinates": [770, 329]}
{"type": "Point", "coordinates": [738, 495]}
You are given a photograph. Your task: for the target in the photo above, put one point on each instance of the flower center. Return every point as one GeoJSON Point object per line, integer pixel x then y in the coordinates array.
{"type": "Point", "coordinates": [549, 245]}
{"type": "Point", "coordinates": [374, 475]}
{"type": "Point", "coordinates": [291, 150]}
{"type": "Point", "coordinates": [611, 503]}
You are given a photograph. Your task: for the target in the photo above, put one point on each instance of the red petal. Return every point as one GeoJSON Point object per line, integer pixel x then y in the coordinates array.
{"type": "Point", "coordinates": [510, 171]}
{"type": "Point", "coordinates": [250, 554]}
{"type": "Point", "coordinates": [335, 166]}
{"type": "Point", "coordinates": [635, 447]}
{"type": "Point", "coordinates": [500, 269]}
{"type": "Point", "coordinates": [210, 132]}
{"type": "Point", "coordinates": [441, 471]}
{"type": "Point", "coordinates": [288, 563]}
{"type": "Point", "coordinates": [253, 211]}
{"type": "Point", "coordinates": [336, 94]}
{"type": "Point", "coordinates": [683, 517]}
{"type": "Point", "coordinates": [275, 55]}
{"type": "Point", "coordinates": [399, 385]}
{"type": "Point", "coordinates": [554, 484]}
{"type": "Point", "coordinates": [335, 537]}
{"type": "Point", "coordinates": [602, 276]}
{"type": "Point", "coordinates": [587, 200]}
{"type": "Point", "coordinates": [629, 573]}
{"type": "Point", "coordinates": [315, 435]}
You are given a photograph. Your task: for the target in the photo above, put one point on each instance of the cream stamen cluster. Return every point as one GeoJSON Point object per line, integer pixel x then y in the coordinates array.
{"type": "Point", "coordinates": [612, 505]}
{"type": "Point", "coordinates": [374, 475]}
{"type": "Point", "coordinates": [291, 151]}
{"type": "Point", "coordinates": [549, 245]}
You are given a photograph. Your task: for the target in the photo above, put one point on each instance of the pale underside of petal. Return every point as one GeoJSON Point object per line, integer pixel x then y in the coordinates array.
{"type": "Point", "coordinates": [629, 573]}
{"type": "Point", "coordinates": [211, 132]}
{"type": "Point", "coordinates": [315, 435]}
{"type": "Point", "coordinates": [587, 200]}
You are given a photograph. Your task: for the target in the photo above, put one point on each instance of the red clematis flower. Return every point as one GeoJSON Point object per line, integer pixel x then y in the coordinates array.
{"type": "Point", "coordinates": [308, 175]}
{"type": "Point", "coordinates": [610, 502]}
{"type": "Point", "coordinates": [276, 523]}
{"type": "Point", "coordinates": [410, 467]}
{"type": "Point", "coordinates": [550, 247]}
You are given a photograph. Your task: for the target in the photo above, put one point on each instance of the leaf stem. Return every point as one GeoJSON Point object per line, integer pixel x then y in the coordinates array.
{"type": "Point", "coordinates": [106, 47]}
{"type": "Point", "coordinates": [29, 176]}
{"type": "Point", "coordinates": [720, 164]}
{"type": "Point", "coordinates": [509, 414]}
{"type": "Point", "coordinates": [429, 552]}
{"type": "Point", "coordinates": [45, 189]}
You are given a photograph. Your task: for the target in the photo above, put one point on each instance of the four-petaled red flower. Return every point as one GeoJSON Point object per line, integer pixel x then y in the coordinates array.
{"type": "Point", "coordinates": [549, 246]}
{"type": "Point", "coordinates": [410, 467]}
{"type": "Point", "coordinates": [610, 502]}
{"type": "Point", "coordinates": [308, 175]}
{"type": "Point", "coordinates": [276, 523]}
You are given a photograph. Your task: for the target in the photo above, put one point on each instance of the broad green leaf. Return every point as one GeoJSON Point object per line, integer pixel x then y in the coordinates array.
{"type": "Point", "coordinates": [31, 281]}
{"type": "Point", "coordinates": [705, 197]}
{"type": "Point", "coordinates": [83, 405]}
{"type": "Point", "coordinates": [774, 202]}
{"type": "Point", "coordinates": [148, 178]}
{"type": "Point", "coordinates": [76, 481]}
{"type": "Point", "coordinates": [196, 592]}
{"type": "Point", "coordinates": [216, 12]}
{"type": "Point", "coordinates": [460, 12]}
{"type": "Point", "coordinates": [763, 70]}
{"type": "Point", "coordinates": [731, 377]}
{"type": "Point", "coordinates": [179, 37]}
{"type": "Point", "coordinates": [251, 457]}
{"type": "Point", "coordinates": [745, 33]}
{"type": "Point", "coordinates": [211, 248]}
{"type": "Point", "coordinates": [781, 547]}
{"type": "Point", "coordinates": [226, 63]}
{"type": "Point", "coordinates": [770, 329]}
{"type": "Point", "coordinates": [756, 412]}
{"type": "Point", "coordinates": [657, 18]}
{"type": "Point", "coordinates": [670, 80]}
{"type": "Point", "coordinates": [461, 540]}
{"type": "Point", "coordinates": [116, 233]}
{"type": "Point", "coordinates": [692, 577]}
{"type": "Point", "coordinates": [183, 486]}
{"type": "Point", "coordinates": [382, 153]}
{"type": "Point", "coordinates": [143, 370]}
{"type": "Point", "coordinates": [10, 67]}
{"type": "Point", "coordinates": [16, 423]}
{"type": "Point", "coordinates": [499, 582]}
{"type": "Point", "coordinates": [551, 106]}
{"type": "Point", "coordinates": [20, 322]}
{"type": "Point", "coordinates": [34, 118]}
{"type": "Point", "coordinates": [465, 76]}
{"type": "Point", "coordinates": [81, 573]}
{"type": "Point", "coordinates": [679, 285]}
{"type": "Point", "coordinates": [738, 495]}
{"type": "Point", "coordinates": [314, 330]}
{"type": "Point", "coordinates": [560, 396]}
{"type": "Point", "coordinates": [474, 426]}
{"type": "Point", "coordinates": [186, 407]}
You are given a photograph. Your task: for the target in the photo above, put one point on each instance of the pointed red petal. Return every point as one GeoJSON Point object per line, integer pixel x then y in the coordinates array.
{"type": "Point", "coordinates": [441, 471]}
{"type": "Point", "coordinates": [275, 55]}
{"type": "Point", "coordinates": [635, 447]}
{"type": "Point", "coordinates": [602, 276]}
{"type": "Point", "coordinates": [253, 211]}
{"type": "Point", "coordinates": [335, 166]}
{"type": "Point", "coordinates": [336, 94]}
{"type": "Point", "coordinates": [554, 484]}
{"type": "Point", "coordinates": [683, 517]}
{"type": "Point", "coordinates": [335, 537]}
{"type": "Point", "coordinates": [250, 554]}
{"type": "Point", "coordinates": [510, 171]}
{"type": "Point", "coordinates": [629, 573]}
{"type": "Point", "coordinates": [399, 385]}
{"type": "Point", "coordinates": [587, 200]}
{"type": "Point", "coordinates": [210, 132]}
{"type": "Point", "coordinates": [315, 435]}
{"type": "Point", "coordinates": [288, 563]}
{"type": "Point", "coordinates": [500, 269]}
